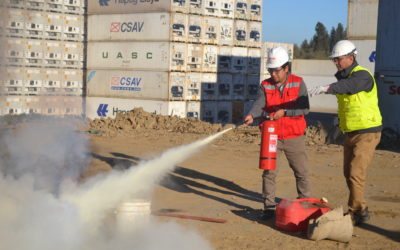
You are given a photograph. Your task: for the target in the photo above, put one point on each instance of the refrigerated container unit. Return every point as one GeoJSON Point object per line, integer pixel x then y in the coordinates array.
{"type": "Point", "coordinates": [267, 46]}
{"type": "Point", "coordinates": [15, 53]}
{"type": "Point", "coordinates": [73, 28]}
{"type": "Point", "coordinates": [73, 55]}
{"type": "Point", "coordinates": [178, 57]}
{"type": "Point", "coordinates": [225, 59]}
{"type": "Point", "coordinates": [239, 59]}
{"type": "Point", "coordinates": [193, 86]}
{"type": "Point", "coordinates": [252, 86]}
{"type": "Point", "coordinates": [209, 90]}
{"type": "Point", "coordinates": [255, 10]}
{"type": "Point", "coordinates": [20, 4]}
{"type": "Point", "coordinates": [193, 110]}
{"type": "Point", "coordinates": [211, 30]}
{"type": "Point", "coordinates": [238, 111]}
{"type": "Point", "coordinates": [180, 27]}
{"type": "Point", "coordinates": [254, 61]}
{"type": "Point", "coordinates": [224, 112]}
{"type": "Point", "coordinates": [195, 56]}
{"type": "Point", "coordinates": [227, 9]}
{"type": "Point", "coordinates": [241, 33]}
{"type": "Point", "coordinates": [35, 4]}
{"type": "Point", "coordinates": [55, 5]}
{"type": "Point", "coordinates": [176, 86]}
{"type": "Point", "coordinates": [211, 8]}
{"type": "Point", "coordinates": [238, 89]}
{"type": "Point", "coordinates": [209, 111]}
{"type": "Point", "coordinates": [224, 86]}
{"type": "Point", "coordinates": [72, 83]}
{"type": "Point", "coordinates": [194, 29]}
{"type": "Point", "coordinates": [52, 83]}
{"type": "Point", "coordinates": [254, 34]}
{"type": "Point", "coordinates": [74, 7]}
{"type": "Point", "coordinates": [195, 7]}
{"type": "Point", "coordinates": [34, 25]}
{"type": "Point", "coordinates": [15, 23]}
{"type": "Point", "coordinates": [210, 57]}
{"type": "Point", "coordinates": [53, 55]}
{"type": "Point", "coordinates": [33, 53]}
{"type": "Point", "coordinates": [241, 11]}
{"type": "Point", "coordinates": [53, 29]}
{"type": "Point", "coordinates": [226, 31]}
{"type": "Point", "coordinates": [121, 7]}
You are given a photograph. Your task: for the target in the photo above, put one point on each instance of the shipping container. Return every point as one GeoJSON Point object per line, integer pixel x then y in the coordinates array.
{"type": "Point", "coordinates": [15, 24]}
{"type": "Point", "coordinates": [255, 10]}
{"type": "Point", "coordinates": [366, 52]}
{"type": "Point", "coordinates": [267, 46]}
{"type": "Point", "coordinates": [72, 83]}
{"type": "Point", "coordinates": [225, 59]}
{"type": "Point", "coordinates": [209, 87]}
{"type": "Point", "coordinates": [34, 24]}
{"type": "Point", "coordinates": [195, 6]}
{"type": "Point", "coordinates": [313, 67]}
{"type": "Point", "coordinates": [128, 84]}
{"type": "Point", "coordinates": [224, 112]}
{"type": "Point", "coordinates": [137, 27]}
{"type": "Point", "coordinates": [224, 86]}
{"type": "Point", "coordinates": [101, 107]}
{"type": "Point", "coordinates": [73, 55]}
{"type": "Point", "coordinates": [53, 29]}
{"type": "Point", "coordinates": [362, 19]}
{"type": "Point", "coordinates": [389, 96]}
{"type": "Point", "coordinates": [195, 29]}
{"type": "Point", "coordinates": [178, 54]}
{"type": "Point", "coordinates": [254, 61]}
{"type": "Point", "coordinates": [210, 57]}
{"type": "Point", "coordinates": [130, 55]}
{"type": "Point", "coordinates": [52, 83]}
{"type": "Point", "coordinates": [226, 31]}
{"type": "Point", "coordinates": [34, 52]}
{"type": "Point", "coordinates": [194, 58]}
{"type": "Point", "coordinates": [15, 53]}
{"type": "Point", "coordinates": [241, 9]}
{"type": "Point", "coordinates": [239, 59]}
{"type": "Point", "coordinates": [193, 110]}
{"type": "Point", "coordinates": [247, 107]}
{"type": "Point", "coordinates": [254, 34]}
{"type": "Point", "coordinates": [35, 4]}
{"type": "Point", "coordinates": [211, 28]}
{"type": "Point", "coordinates": [227, 9]}
{"type": "Point", "coordinates": [15, 3]}
{"type": "Point", "coordinates": [252, 86]}
{"type": "Point", "coordinates": [54, 5]}
{"type": "Point", "coordinates": [193, 86]}
{"type": "Point", "coordinates": [54, 54]}
{"type": "Point", "coordinates": [177, 86]}
{"type": "Point", "coordinates": [238, 87]}
{"type": "Point", "coordinates": [240, 31]}
{"type": "Point", "coordinates": [209, 111]}
{"type": "Point", "coordinates": [238, 112]}
{"type": "Point", "coordinates": [136, 6]}
{"type": "Point", "coordinates": [73, 6]}
{"type": "Point", "coordinates": [73, 28]}
{"type": "Point", "coordinates": [211, 8]}
{"type": "Point", "coordinates": [34, 81]}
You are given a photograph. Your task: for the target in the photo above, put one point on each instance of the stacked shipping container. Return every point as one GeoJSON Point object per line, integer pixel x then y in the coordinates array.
{"type": "Point", "coordinates": [42, 57]}
{"type": "Point", "coordinates": [191, 58]}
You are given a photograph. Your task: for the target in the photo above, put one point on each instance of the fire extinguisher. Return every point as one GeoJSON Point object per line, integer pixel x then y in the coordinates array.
{"type": "Point", "coordinates": [269, 144]}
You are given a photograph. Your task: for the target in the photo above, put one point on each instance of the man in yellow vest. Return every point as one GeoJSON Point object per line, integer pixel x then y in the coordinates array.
{"type": "Point", "coordinates": [359, 119]}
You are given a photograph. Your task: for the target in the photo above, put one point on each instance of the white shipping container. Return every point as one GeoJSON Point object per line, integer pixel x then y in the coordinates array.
{"type": "Point", "coordinates": [15, 53]}
{"type": "Point", "coordinates": [34, 24]}
{"type": "Point", "coordinates": [178, 26]}
{"type": "Point", "coordinates": [135, 6]}
{"type": "Point", "coordinates": [209, 86]}
{"type": "Point", "coordinates": [209, 111]}
{"type": "Point", "coordinates": [35, 4]}
{"type": "Point", "coordinates": [252, 86]}
{"type": "Point", "coordinates": [238, 87]}
{"type": "Point", "coordinates": [73, 28]}
{"type": "Point", "coordinates": [193, 110]}
{"type": "Point", "coordinates": [178, 57]}
{"type": "Point", "coordinates": [211, 30]}
{"type": "Point", "coordinates": [54, 54]}
{"type": "Point", "coordinates": [362, 19]}
{"type": "Point", "coordinates": [240, 33]}
{"type": "Point", "coordinates": [129, 55]}
{"type": "Point", "coordinates": [133, 27]}
{"type": "Point", "coordinates": [52, 83]}
{"type": "Point", "coordinates": [239, 59]}
{"type": "Point", "coordinates": [313, 67]}
{"type": "Point", "coordinates": [34, 52]}
{"type": "Point", "coordinates": [254, 34]}
{"type": "Point", "coordinates": [128, 84]}
{"type": "Point", "coordinates": [195, 6]}
{"type": "Point", "coordinates": [366, 52]}
{"type": "Point", "coordinates": [254, 61]}
{"type": "Point", "coordinates": [227, 8]}
{"type": "Point", "coordinates": [225, 59]}
{"type": "Point", "coordinates": [98, 107]}
{"type": "Point", "coordinates": [226, 31]}
{"type": "Point", "coordinates": [194, 57]}
{"type": "Point", "coordinates": [267, 46]}
{"type": "Point", "coordinates": [195, 29]}
{"type": "Point", "coordinates": [211, 8]}
{"type": "Point", "coordinates": [255, 10]}
{"type": "Point", "coordinates": [73, 55]}
{"type": "Point", "coordinates": [72, 83]}
{"type": "Point", "coordinates": [210, 57]}
{"type": "Point", "coordinates": [177, 86]}
{"type": "Point", "coordinates": [193, 86]}
{"type": "Point", "coordinates": [224, 86]}
{"type": "Point", "coordinates": [54, 27]}
{"type": "Point", "coordinates": [15, 23]}
{"type": "Point", "coordinates": [241, 9]}
{"type": "Point", "coordinates": [224, 112]}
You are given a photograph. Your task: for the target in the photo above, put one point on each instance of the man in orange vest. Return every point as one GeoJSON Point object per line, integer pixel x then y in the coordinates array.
{"type": "Point", "coordinates": [284, 98]}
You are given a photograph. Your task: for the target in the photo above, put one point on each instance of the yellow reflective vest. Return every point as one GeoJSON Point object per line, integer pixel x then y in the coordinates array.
{"type": "Point", "coordinates": [359, 111]}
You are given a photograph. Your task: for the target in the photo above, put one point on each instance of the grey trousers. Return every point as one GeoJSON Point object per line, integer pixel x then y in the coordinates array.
{"type": "Point", "coordinates": [295, 152]}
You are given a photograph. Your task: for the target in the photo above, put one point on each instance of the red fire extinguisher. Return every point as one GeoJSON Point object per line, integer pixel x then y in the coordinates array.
{"type": "Point", "coordinates": [269, 144]}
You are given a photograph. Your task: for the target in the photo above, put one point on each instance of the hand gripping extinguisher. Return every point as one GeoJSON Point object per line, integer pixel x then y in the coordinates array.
{"type": "Point", "coordinates": [269, 144]}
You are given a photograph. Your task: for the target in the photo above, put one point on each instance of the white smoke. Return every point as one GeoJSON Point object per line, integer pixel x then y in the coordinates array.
{"type": "Point", "coordinates": [39, 210]}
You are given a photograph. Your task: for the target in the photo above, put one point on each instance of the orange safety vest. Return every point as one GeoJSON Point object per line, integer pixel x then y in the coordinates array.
{"type": "Point", "coordinates": [288, 127]}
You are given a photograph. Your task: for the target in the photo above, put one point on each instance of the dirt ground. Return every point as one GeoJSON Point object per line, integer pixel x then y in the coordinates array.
{"type": "Point", "coordinates": [223, 181]}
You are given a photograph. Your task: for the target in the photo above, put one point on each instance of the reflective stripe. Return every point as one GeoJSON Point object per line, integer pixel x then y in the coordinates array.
{"type": "Point", "coordinates": [270, 87]}
{"type": "Point", "coordinates": [293, 85]}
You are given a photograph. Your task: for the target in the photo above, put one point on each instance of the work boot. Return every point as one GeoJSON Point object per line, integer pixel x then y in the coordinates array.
{"type": "Point", "coordinates": [359, 217]}
{"type": "Point", "coordinates": [268, 213]}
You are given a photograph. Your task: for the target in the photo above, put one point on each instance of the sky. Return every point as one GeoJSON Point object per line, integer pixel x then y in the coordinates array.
{"type": "Point", "coordinates": [292, 21]}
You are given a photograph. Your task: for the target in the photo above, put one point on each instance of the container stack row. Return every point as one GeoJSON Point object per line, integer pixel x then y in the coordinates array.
{"type": "Point", "coordinates": [42, 56]}
{"type": "Point", "coordinates": [197, 59]}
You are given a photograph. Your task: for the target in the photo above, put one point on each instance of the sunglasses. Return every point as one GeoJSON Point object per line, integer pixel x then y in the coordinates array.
{"type": "Point", "coordinates": [274, 70]}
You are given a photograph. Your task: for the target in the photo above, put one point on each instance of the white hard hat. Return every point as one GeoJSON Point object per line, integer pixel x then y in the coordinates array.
{"type": "Point", "coordinates": [277, 57]}
{"type": "Point", "coordinates": [343, 47]}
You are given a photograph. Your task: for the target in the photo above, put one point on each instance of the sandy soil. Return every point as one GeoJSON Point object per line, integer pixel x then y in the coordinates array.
{"type": "Point", "coordinates": [223, 181]}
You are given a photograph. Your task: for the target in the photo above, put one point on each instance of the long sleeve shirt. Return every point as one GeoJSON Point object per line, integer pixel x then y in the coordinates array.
{"type": "Point", "coordinates": [301, 107]}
